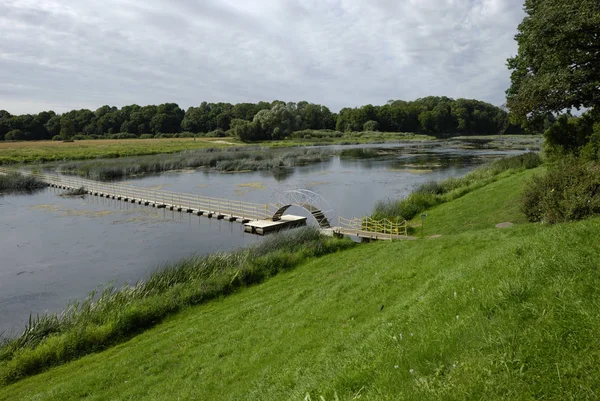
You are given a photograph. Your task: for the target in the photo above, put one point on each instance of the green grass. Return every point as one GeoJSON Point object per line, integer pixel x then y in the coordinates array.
{"type": "Point", "coordinates": [489, 205]}
{"type": "Point", "coordinates": [433, 193]}
{"type": "Point", "coordinates": [482, 314]}
{"type": "Point", "coordinates": [45, 151]}
{"type": "Point", "coordinates": [115, 315]}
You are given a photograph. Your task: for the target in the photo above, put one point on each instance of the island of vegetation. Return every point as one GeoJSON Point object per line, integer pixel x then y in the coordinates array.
{"type": "Point", "coordinates": [498, 300]}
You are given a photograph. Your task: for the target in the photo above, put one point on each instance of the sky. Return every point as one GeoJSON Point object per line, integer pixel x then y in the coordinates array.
{"type": "Point", "coordinates": [71, 54]}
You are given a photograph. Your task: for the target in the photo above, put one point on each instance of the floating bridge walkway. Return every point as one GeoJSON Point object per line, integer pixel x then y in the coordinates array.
{"type": "Point", "coordinates": [256, 218]}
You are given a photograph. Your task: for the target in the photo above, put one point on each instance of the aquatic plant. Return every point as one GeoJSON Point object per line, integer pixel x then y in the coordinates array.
{"type": "Point", "coordinates": [230, 159]}
{"type": "Point", "coordinates": [16, 182]}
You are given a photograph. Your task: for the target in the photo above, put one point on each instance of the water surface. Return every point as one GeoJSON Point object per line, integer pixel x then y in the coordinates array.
{"type": "Point", "coordinates": [55, 249]}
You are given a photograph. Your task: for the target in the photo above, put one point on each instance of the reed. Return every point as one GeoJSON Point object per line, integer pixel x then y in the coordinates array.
{"type": "Point", "coordinates": [112, 315]}
{"type": "Point", "coordinates": [230, 159]}
{"type": "Point", "coordinates": [16, 182]}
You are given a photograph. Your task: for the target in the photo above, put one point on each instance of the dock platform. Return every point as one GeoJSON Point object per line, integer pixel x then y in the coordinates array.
{"type": "Point", "coordinates": [263, 227]}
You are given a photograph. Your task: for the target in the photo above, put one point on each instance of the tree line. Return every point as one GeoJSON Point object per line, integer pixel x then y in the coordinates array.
{"type": "Point", "coordinates": [437, 116]}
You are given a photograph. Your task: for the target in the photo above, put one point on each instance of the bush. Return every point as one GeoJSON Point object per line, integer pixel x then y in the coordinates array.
{"type": "Point", "coordinates": [15, 135]}
{"type": "Point", "coordinates": [146, 136]}
{"type": "Point", "coordinates": [370, 126]}
{"type": "Point", "coordinates": [218, 133]}
{"type": "Point", "coordinates": [569, 191]}
{"type": "Point", "coordinates": [122, 135]}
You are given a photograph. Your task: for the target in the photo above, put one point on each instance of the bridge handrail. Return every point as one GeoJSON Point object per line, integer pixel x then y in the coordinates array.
{"type": "Point", "coordinates": [179, 199]}
{"type": "Point", "coordinates": [368, 224]}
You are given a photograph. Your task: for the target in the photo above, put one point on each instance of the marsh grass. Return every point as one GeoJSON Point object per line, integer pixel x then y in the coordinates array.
{"type": "Point", "coordinates": [434, 193]}
{"type": "Point", "coordinates": [16, 182]}
{"type": "Point", "coordinates": [74, 192]}
{"type": "Point", "coordinates": [112, 315]}
{"type": "Point", "coordinates": [226, 160]}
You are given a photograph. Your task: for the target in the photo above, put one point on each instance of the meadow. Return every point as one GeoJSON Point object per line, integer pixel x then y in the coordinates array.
{"type": "Point", "coordinates": [45, 151]}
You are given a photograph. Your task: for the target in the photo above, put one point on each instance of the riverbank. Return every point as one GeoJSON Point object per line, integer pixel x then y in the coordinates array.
{"type": "Point", "coordinates": [53, 151]}
{"type": "Point", "coordinates": [413, 320]}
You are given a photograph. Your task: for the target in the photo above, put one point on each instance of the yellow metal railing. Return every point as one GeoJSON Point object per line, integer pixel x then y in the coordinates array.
{"type": "Point", "coordinates": [367, 224]}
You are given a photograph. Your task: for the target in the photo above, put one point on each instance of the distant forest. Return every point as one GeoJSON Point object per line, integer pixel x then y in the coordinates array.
{"type": "Point", "coordinates": [437, 116]}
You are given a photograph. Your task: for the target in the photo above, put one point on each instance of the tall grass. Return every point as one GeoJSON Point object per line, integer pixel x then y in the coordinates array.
{"type": "Point", "coordinates": [434, 193]}
{"type": "Point", "coordinates": [16, 182]}
{"type": "Point", "coordinates": [115, 314]}
{"type": "Point", "coordinates": [230, 159]}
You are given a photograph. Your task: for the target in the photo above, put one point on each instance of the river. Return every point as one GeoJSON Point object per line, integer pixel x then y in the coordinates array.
{"type": "Point", "coordinates": [54, 249]}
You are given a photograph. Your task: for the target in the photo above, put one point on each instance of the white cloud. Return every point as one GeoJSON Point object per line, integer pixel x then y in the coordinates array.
{"type": "Point", "coordinates": [72, 53]}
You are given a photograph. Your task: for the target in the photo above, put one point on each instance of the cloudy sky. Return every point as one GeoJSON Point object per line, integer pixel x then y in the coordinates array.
{"type": "Point", "coordinates": [66, 54]}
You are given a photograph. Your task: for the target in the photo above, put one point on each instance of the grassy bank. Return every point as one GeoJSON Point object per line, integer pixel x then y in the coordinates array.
{"type": "Point", "coordinates": [16, 182]}
{"type": "Point", "coordinates": [44, 151]}
{"type": "Point", "coordinates": [433, 193]}
{"type": "Point", "coordinates": [116, 314]}
{"type": "Point", "coordinates": [230, 159]}
{"type": "Point", "coordinates": [483, 313]}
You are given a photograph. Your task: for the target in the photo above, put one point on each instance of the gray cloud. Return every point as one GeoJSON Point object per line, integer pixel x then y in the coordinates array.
{"type": "Point", "coordinates": [65, 54]}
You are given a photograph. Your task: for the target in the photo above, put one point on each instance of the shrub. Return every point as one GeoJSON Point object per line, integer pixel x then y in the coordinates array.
{"type": "Point", "coordinates": [569, 191]}
{"type": "Point", "coordinates": [370, 125]}
{"type": "Point", "coordinates": [146, 136]}
{"type": "Point", "coordinates": [15, 135]}
{"type": "Point", "coordinates": [218, 133]}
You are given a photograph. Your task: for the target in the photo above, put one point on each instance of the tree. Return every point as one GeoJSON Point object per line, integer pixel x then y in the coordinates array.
{"type": "Point", "coordinates": [67, 128]}
{"type": "Point", "coordinates": [557, 66]}
{"type": "Point", "coordinates": [370, 125]}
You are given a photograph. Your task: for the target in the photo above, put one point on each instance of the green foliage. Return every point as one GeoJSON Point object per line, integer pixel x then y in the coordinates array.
{"type": "Point", "coordinates": [15, 135]}
{"type": "Point", "coordinates": [568, 191]}
{"type": "Point", "coordinates": [577, 136]}
{"type": "Point", "coordinates": [431, 193]}
{"type": "Point", "coordinates": [67, 128]}
{"type": "Point", "coordinates": [558, 62]}
{"type": "Point", "coordinates": [438, 116]}
{"type": "Point", "coordinates": [370, 125]}
{"type": "Point", "coordinates": [116, 314]}
{"type": "Point", "coordinates": [14, 182]}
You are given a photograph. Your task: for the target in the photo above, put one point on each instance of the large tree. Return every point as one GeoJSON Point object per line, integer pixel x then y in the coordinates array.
{"type": "Point", "coordinates": [557, 67]}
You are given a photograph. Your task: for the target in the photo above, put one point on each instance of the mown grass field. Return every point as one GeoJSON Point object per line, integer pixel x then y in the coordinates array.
{"type": "Point", "coordinates": [479, 313]}
{"type": "Point", "coordinates": [43, 151]}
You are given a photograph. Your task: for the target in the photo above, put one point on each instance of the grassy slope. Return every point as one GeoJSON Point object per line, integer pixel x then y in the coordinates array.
{"type": "Point", "coordinates": [523, 324]}
{"type": "Point", "coordinates": [484, 208]}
